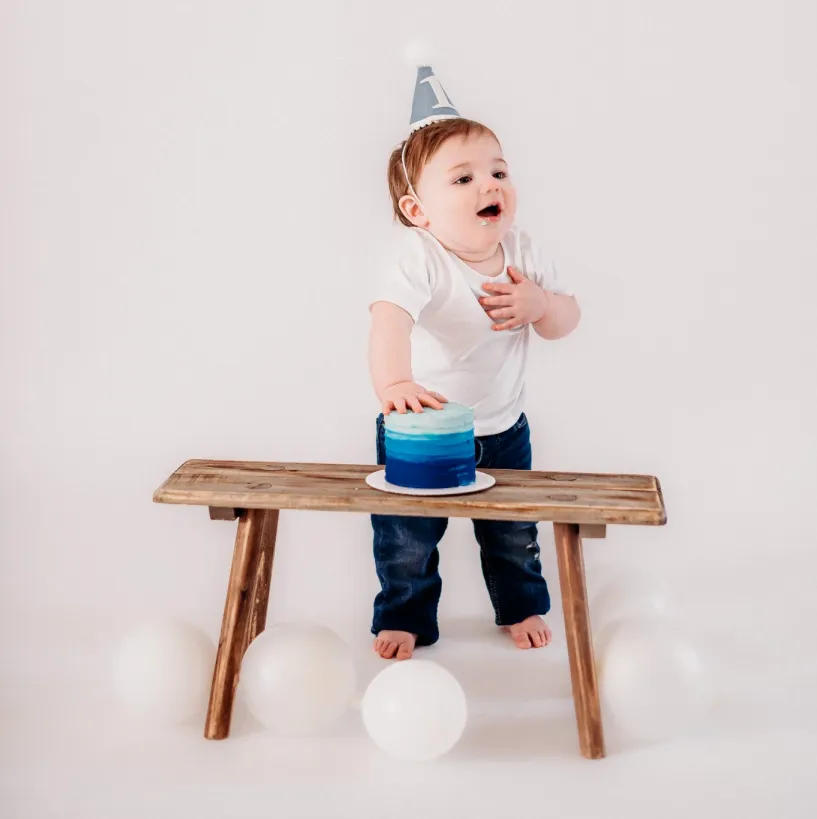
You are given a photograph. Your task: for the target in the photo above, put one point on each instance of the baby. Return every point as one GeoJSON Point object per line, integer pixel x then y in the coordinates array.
{"type": "Point", "coordinates": [452, 320]}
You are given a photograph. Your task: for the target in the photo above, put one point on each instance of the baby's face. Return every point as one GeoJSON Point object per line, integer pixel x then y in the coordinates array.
{"type": "Point", "coordinates": [469, 201]}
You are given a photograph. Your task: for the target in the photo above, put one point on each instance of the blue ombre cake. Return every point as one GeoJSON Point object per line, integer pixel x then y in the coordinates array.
{"type": "Point", "coordinates": [432, 449]}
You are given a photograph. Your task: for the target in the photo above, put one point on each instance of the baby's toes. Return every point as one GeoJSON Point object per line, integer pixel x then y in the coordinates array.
{"type": "Point", "coordinates": [537, 638]}
{"type": "Point", "coordinates": [522, 640]}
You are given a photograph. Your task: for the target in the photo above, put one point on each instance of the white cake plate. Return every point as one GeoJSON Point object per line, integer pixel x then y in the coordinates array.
{"type": "Point", "coordinates": [377, 480]}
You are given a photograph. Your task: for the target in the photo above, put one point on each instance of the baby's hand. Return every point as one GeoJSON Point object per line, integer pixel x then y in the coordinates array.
{"type": "Point", "coordinates": [521, 302]}
{"type": "Point", "coordinates": [408, 395]}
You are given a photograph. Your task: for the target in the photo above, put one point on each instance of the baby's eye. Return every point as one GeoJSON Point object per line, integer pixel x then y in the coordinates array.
{"type": "Point", "coordinates": [500, 175]}
{"type": "Point", "coordinates": [463, 180]}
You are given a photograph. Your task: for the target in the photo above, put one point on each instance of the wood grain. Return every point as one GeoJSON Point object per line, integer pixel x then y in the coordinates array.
{"type": "Point", "coordinates": [579, 640]}
{"type": "Point", "coordinates": [590, 531]}
{"type": "Point", "coordinates": [517, 495]}
{"type": "Point", "coordinates": [235, 625]}
{"type": "Point", "coordinates": [259, 591]}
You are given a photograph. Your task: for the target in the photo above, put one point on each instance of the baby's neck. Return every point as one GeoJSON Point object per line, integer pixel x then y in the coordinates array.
{"type": "Point", "coordinates": [487, 263]}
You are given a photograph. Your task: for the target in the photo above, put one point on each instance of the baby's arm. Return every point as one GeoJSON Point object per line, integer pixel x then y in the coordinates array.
{"type": "Point", "coordinates": [561, 317]}
{"type": "Point", "coordinates": [390, 361]}
{"type": "Point", "coordinates": [552, 315]}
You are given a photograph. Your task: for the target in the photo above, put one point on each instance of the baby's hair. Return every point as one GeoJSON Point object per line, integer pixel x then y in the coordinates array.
{"type": "Point", "coordinates": [421, 147]}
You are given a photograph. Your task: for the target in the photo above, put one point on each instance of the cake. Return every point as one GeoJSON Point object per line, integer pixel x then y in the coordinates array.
{"type": "Point", "coordinates": [432, 449]}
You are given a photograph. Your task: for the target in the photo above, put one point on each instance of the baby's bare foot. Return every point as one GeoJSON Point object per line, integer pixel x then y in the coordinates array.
{"type": "Point", "coordinates": [389, 644]}
{"type": "Point", "coordinates": [532, 632]}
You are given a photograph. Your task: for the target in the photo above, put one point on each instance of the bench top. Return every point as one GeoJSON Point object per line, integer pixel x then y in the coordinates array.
{"type": "Point", "coordinates": [517, 495]}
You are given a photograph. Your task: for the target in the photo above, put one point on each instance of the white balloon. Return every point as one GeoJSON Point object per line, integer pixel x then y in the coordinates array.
{"type": "Point", "coordinates": [627, 598]}
{"type": "Point", "coordinates": [162, 671]}
{"type": "Point", "coordinates": [415, 710]}
{"type": "Point", "coordinates": [297, 678]}
{"type": "Point", "coordinates": [652, 679]}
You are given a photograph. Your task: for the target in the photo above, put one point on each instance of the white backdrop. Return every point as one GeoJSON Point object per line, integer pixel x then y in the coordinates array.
{"type": "Point", "coordinates": [194, 199]}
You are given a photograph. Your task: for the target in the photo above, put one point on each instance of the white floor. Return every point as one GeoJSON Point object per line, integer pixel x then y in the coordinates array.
{"type": "Point", "coordinates": [67, 752]}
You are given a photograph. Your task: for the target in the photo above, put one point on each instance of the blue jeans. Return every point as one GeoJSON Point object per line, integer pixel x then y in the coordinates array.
{"type": "Point", "coordinates": [407, 560]}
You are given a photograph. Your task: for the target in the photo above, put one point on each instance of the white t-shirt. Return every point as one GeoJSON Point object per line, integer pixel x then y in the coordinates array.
{"type": "Point", "coordinates": [454, 351]}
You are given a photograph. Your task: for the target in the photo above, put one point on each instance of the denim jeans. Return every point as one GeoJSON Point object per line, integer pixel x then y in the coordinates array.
{"type": "Point", "coordinates": [407, 560]}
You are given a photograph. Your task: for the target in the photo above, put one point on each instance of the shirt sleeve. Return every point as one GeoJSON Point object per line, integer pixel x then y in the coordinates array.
{"type": "Point", "coordinates": [545, 271]}
{"type": "Point", "coordinates": [405, 279]}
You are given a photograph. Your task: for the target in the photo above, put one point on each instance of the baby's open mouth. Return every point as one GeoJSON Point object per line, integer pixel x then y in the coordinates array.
{"type": "Point", "coordinates": [491, 212]}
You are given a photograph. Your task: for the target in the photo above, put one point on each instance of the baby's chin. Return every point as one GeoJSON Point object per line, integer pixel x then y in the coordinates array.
{"type": "Point", "coordinates": [484, 237]}
{"type": "Point", "coordinates": [478, 238]}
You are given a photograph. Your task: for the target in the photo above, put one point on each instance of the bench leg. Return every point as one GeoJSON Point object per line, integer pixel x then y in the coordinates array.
{"type": "Point", "coordinates": [579, 639]}
{"type": "Point", "coordinates": [245, 612]}
{"type": "Point", "coordinates": [259, 593]}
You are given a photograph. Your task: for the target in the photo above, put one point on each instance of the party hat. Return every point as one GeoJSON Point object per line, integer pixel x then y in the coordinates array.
{"type": "Point", "coordinates": [431, 102]}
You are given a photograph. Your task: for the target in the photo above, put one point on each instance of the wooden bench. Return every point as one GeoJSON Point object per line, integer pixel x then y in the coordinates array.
{"type": "Point", "coordinates": [254, 493]}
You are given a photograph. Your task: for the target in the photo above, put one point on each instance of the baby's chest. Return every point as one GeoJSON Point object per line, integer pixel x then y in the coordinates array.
{"type": "Point", "coordinates": [455, 299]}
{"type": "Point", "coordinates": [455, 312]}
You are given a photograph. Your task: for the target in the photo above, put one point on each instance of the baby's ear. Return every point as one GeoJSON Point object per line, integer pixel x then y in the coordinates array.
{"type": "Point", "coordinates": [413, 211]}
